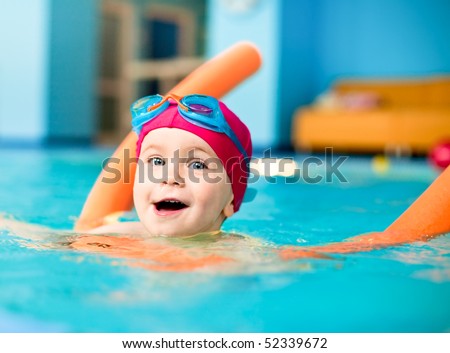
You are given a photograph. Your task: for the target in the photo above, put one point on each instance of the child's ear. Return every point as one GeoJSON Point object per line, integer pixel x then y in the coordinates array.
{"type": "Point", "coordinates": [228, 211]}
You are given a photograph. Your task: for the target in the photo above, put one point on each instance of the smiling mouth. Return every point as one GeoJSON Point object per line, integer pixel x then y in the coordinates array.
{"type": "Point", "coordinates": [170, 205]}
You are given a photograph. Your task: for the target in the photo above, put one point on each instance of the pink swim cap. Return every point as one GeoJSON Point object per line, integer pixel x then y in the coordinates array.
{"type": "Point", "coordinates": [232, 159]}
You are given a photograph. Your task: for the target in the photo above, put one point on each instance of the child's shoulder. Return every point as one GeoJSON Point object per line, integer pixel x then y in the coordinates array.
{"type": "Point", "coordinates": [121, 228]}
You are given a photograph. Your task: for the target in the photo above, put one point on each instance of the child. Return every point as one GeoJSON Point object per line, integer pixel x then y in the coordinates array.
{"type": "Point", "coordinates": [191, 176]}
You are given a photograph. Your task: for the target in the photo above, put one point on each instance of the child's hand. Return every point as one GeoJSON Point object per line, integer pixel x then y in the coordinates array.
{"type": "Point", "coordinates": [360, 243]}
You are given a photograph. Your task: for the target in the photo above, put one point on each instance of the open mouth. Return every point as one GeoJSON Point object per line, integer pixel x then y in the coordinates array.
{"type": "Point", "coordinates": [170, 205]}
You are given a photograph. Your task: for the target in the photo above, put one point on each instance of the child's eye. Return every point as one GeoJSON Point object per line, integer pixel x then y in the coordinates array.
{"type": "Point", "coordinates": [156, 161]}
{"type": "Point", "coordinates": [197, 165]}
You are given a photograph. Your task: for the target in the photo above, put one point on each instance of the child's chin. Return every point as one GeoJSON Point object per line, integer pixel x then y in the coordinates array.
{"type": "Point", "coordinates": [169, 232]}
{"type": "Point", "coordinates": [176, 230]}
{"type": "Point", "coordinates": [171, 235]}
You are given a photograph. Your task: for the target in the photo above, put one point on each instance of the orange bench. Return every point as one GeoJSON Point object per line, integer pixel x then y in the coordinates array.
{"type": "Point", "coordinates": [410, 114]}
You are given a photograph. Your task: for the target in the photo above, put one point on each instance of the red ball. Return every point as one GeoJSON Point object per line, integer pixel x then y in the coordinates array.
{"type": "Point", "coordinates": [439, 155]}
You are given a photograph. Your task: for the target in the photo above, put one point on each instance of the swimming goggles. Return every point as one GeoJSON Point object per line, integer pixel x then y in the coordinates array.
{"type": "Point", "coordinates": [200, 110]}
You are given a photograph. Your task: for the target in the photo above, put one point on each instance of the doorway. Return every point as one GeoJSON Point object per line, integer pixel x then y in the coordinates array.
{"type": "Point", "coordinates": [146, 48]}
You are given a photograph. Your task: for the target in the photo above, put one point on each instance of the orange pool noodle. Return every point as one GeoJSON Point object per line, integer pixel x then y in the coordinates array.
{"type": "Point", "coordinates": [429, 215]}
{"type": "Point", "coordinates": [216, 77]}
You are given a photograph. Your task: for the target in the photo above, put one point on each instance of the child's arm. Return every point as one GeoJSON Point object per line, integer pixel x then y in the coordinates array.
{"type": "Point", "coordinates": [427, 218]}
{"type": "Point", "coordinates": [23, 229]}
{"type": "Point", "coordinates": [360, 243]}
{"type": "Point", "coordinates": [39, 232]}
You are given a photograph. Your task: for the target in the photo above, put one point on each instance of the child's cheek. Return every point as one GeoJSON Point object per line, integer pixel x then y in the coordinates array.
{"type": "Point", "coordinates": [212, 177]}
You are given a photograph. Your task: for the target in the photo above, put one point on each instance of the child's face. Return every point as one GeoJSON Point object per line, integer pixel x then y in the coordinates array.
{"type": "Point", "coordinates": [181, 187]}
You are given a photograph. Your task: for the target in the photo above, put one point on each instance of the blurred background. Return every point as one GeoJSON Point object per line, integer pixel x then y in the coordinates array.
{"type": "Point", "coordinates": [70, 69]}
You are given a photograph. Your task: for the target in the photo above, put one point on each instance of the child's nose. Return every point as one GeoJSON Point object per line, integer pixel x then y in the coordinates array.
{"type": "Point", "coordinates": [174, 176]}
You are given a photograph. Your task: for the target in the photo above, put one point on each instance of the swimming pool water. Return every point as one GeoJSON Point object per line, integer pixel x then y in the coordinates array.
{"type": "Point", "coordinates": [400, 289]}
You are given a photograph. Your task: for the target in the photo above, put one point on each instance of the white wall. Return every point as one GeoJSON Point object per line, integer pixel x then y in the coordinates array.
{"type": "Point", "coordinates": [254, 101]}
{"type": "Point", "coordinates": [23, 69]}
